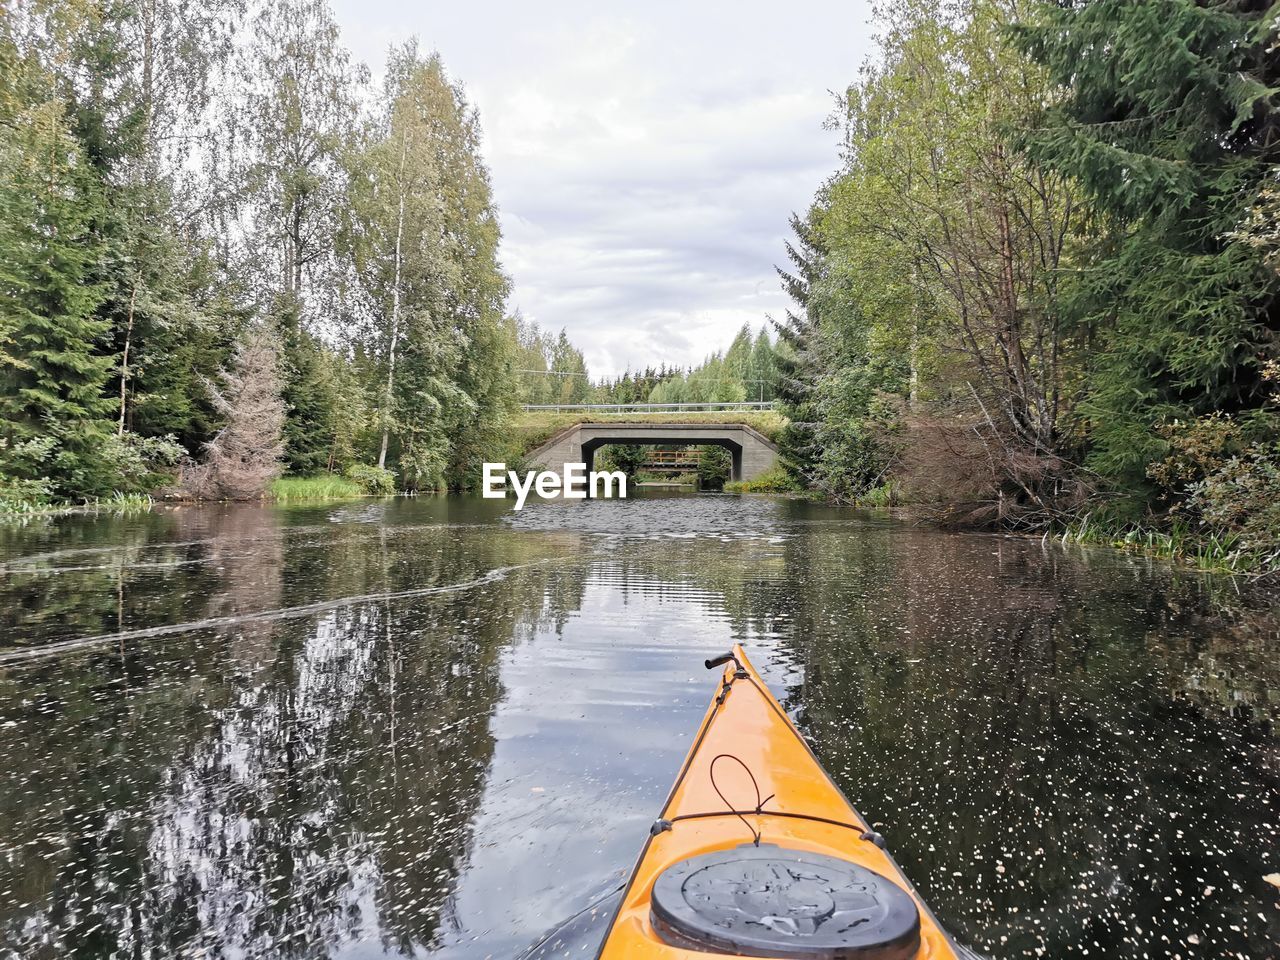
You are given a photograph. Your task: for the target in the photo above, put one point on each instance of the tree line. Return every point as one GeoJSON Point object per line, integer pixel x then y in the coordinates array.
{"type": "Point", "coordinates": [1042, 287]}
{"type": "Point", "coordinates": [555, 372]}
{"type": "Point", "coordinates": [222, 247]}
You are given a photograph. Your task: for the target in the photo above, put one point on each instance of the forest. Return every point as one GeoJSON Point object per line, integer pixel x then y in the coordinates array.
{"type": "Point", "coordinates": [225, 255]}
{"type": "Point", "coordinates": [553, 372]}
{"type": "Point", "coordinates": [1039, 291]}
{"type": "Point", "coordinates": [1042, 289]}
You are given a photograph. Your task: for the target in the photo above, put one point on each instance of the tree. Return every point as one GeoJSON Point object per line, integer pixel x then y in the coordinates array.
{"type": "Point", "coordinates": [763, 368]}
{"type": "Point", "coordinates": [1169, 120]}
{"type": "Point", "coordinates": [801, 366]}
{"type": "Point", "coordinates": [295, 119]}
{"type": "Point", "coordinates": [570, 367]}
{"type": "Point", "coordinates": [52, 368]}
{"type": "Point", "coordinates": [533, 362]}
{"type": "Point", "coordinates": [137, 81]}
{"type": "Point", "coordinates": [425, 237]}
{"type": "Point", "coordinates": [245, 456]}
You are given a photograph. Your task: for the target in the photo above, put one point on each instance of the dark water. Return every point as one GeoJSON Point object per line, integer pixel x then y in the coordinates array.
{"type": "Point", "coordinates": [434, 727]}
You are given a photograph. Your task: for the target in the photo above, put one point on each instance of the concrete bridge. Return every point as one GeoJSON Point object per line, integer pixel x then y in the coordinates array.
{"type": "Point", "coordinates": [752, 452]}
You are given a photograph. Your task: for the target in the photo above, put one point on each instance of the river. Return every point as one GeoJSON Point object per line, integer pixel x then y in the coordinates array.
{"type": "Point", "coordinates": [436, 726]}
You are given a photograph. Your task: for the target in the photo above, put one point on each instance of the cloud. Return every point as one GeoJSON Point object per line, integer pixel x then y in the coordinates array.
{"type": "Point", "coordinates": [645, 160]}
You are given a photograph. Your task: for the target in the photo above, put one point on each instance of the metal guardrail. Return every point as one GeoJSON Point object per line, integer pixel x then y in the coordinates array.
{"type": "Point", "coordinates": [652, 407]}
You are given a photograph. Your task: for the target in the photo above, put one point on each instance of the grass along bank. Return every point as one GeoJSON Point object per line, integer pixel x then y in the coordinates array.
{"type": "Point", "coordinates": [117, 503]}
{"type": "Point", "coordinates": [324, 487]}
{"type": "Point", "coordinates": [774, 480]}
{"type": "Point", "coordinates": [360, 480]}
{"type": "Point", "coordinates": [1207, 550]}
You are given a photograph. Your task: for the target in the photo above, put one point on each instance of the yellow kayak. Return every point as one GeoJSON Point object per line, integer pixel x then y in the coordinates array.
{"type": "Point", "coordinates": [757, 853]}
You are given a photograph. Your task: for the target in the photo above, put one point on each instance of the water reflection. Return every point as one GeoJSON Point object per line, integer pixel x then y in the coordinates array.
{"type": "Point", "coordinates": [433, 726]}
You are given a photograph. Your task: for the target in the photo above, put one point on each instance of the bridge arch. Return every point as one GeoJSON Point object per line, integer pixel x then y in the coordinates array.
{"type": "Point", "coordinates": [751, 451]}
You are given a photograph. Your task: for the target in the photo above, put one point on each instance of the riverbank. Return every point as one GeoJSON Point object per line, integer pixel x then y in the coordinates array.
{"type": "Point", "coordinates": [282, 490]}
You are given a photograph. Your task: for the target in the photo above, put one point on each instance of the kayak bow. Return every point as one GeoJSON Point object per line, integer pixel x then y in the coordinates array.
{"type": "Point", "coordinates": [757, 853]}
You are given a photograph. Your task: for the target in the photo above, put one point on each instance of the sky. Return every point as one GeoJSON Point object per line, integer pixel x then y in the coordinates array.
{"type": "Point", "coordinates": [645, 157]}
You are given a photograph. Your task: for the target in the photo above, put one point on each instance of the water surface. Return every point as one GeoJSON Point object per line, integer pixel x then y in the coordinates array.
{"type": "Point", "coordinates": [435, 727]}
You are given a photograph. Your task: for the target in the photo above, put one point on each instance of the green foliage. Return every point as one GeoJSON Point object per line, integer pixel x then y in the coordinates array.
{"type": "Point", "coordinates": [326, 486]}
{"type": "Point", "coordinates": [1043, 282]}
{"type": "Point", "coordinates": [311, 381]}
{"type": "Point", "coordinates": [23, 487]}
{"type": "Point", "coordinates": [777, 480]}
{"type": "Point", "coordinates": [550, 369]}
{"type": "Point", "coordinates": [140, 463]}
{"type": "Point", "coordinates": [423, 237]}
{"type": "Point", "coordinates": [53, 371]}
{"type": "Point", "coordinates": [714, 467]}
{"type": "Point", "coordinates": [637, 387]}
{"type": "Point", "coordinates": [748, 370]}
{"type": "Point", "coordinates": [627, 457]}
{"type": "Point", "coordinates": [1221, 474]}
{"type": "Point", "coordinates": [174, 175]}
{"type": "Point", "coordinates": [1168, 121]}
{"type": "Point", "coordinates": [1238, 504]}
{"type": "Point", "coordinates": [375, 481]}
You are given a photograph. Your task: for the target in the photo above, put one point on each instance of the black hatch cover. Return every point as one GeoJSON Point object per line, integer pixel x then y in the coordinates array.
{"type": "Point", "coordinates": [771, 901]}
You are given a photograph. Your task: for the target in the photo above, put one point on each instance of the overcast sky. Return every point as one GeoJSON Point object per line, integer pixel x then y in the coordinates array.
{"type": "Point", "coordinates": [645, 157]}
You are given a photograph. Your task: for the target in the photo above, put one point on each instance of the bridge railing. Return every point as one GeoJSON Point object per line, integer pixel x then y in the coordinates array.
{"type": "Point", "coordinates": [652, 407]}
{"type": "Point", "coordinates": [672, 460]}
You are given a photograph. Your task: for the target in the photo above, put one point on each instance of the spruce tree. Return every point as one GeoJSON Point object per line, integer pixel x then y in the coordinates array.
{"type": "Point", "coordinates": [1170, 121]}
{"type": "Point", "coordinates": [800, 366]}
{"type": "Point", "coordinates": [53, 368]}
{"type": "Point", "coordinates": [245, 456]}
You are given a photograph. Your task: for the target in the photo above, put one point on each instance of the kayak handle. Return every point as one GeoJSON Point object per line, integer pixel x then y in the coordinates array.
{"type": "Point", "coordinates": [724, 658]}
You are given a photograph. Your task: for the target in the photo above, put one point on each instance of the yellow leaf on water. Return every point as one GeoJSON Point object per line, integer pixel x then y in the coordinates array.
{"type": "Point", "coordinates": [1273, 879]}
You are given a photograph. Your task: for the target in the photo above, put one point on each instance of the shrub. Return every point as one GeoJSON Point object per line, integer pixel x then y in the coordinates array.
{"type": "Point", "coordinates": [375, 481]}
{"type": "Point", "coordinates": [140, 463]}
{"type": "Point", "coordinates": [775, 480]}
{"type": "Point", "coordinates": [626, 457]}
{"type": "Point", "coordinates": [1239, 503]}
{"type": "Point", "coordinates": [22, 486]}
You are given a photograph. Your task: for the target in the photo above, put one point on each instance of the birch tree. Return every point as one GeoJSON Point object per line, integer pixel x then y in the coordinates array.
{"type": "Point", "coordinates": [425, 237]}
{"type": "Point", "coordinates": [944, 233]}
{"type": "Point", "coordinates": [296, 117]}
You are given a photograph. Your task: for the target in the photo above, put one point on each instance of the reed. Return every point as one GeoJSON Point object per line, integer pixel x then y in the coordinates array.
{"type": "Point", "coordinates": [1204, 550]}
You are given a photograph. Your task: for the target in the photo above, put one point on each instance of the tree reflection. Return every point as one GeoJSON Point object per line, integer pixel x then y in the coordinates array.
{"type": "Point", "coordinates": [1041, 785]}
{"type": "Point", "coordinates": [278, 787]}
{"type": "Point", "coordinates": [1067, 750]}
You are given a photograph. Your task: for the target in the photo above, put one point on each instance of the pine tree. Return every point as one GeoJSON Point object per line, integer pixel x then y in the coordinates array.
{"type": "Point", "coordinates": [573, 385]}
{"type": "Point", "coordinates": [763, 370]}
{"type": "Point", "coordinates": [137, 79]}
{"type": "Point", "coordinates": [308, 387]}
